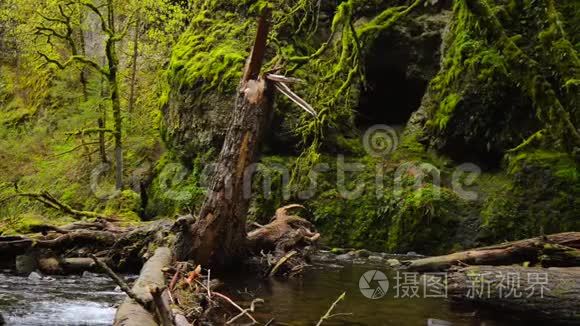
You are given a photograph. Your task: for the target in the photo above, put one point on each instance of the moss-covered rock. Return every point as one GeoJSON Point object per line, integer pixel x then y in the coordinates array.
{"type": "Point", "coordinates": [541, 198]}
{"type": "Point", "coordinates": [504, 75]}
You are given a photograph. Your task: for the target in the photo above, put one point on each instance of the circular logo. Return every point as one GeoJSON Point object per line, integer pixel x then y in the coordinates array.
{"type": "Point", "coordinates": [380, 140]}
{"type": "Point", "coordinates": [373, 284]}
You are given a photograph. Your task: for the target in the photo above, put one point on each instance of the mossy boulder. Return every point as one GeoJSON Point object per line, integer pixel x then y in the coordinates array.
{"type": "Point", "coordinates": [542, 198]}
{"type": "Point", "coordinates": [125, 206]}
{"type": "Point", "coordinates": [506, 73]}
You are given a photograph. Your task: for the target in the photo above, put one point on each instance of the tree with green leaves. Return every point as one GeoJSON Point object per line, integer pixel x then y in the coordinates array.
{"type": "Point", "coordinates": [113, 35]}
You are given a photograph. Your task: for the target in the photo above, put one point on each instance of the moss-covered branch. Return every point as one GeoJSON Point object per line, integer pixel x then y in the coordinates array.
{"type": "Point", "coordinates": [49, 201]}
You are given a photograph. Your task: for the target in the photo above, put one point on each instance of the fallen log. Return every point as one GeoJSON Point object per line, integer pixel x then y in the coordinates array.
{"type": "Point", "coordinates": [16, 247]}
{"type": "Point", "coordinates": [541, 293]}
{"type": "Point", "coordinates": [80, 264]}
{"type": "Point", "coordinates": [554, 255]}
{"type": "Point", "coordinates": [516, 252]}
{"type": "Point", "coordinates": [131, 313]}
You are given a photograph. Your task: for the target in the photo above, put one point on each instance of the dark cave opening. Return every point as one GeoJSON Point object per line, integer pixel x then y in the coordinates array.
{"type": "Point", "coordinates": [397, 73]}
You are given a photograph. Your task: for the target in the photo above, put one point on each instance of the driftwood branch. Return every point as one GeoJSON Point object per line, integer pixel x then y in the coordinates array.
{"type": "Point", "coordinates": [516, 252]}
{"type": "Point", "coordinates": [243, 313]}
{"type": "Point", "coordinates": [242, 310]}
{"type": "Point", "coordinates": [120, 282]}
{"type": "Point", "coordinates": [328, 314]}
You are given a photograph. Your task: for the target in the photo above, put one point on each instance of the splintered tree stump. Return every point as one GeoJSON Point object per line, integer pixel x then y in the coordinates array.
{"type": "Point", "coordinates": [283, 233]}
{"type": "Point", "coordinates": [541, 293]}
{"type": "Point", "coordinates": [516, 252]}
{"type": "Point", "coordinates": [219, 236]}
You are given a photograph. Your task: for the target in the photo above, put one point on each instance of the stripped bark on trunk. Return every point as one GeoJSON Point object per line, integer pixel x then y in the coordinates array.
{"type": "Point", "coordinates": [219, 236]}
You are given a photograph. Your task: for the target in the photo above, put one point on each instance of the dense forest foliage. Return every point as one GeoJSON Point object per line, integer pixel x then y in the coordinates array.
{"type": "Point", "coordinates": [467, 112]}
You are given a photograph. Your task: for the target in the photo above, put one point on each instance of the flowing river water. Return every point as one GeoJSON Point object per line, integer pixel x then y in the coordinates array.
{"type": "Point", "coordinates": [91, 300]}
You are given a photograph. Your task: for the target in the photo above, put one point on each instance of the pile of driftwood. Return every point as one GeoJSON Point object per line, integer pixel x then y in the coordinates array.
{"type": "Point", "coordinates": [178, 293]}
{"type": "Point", "coordinates": [66, 249]}
{"type": "Point", "coordinates": [538, 276]}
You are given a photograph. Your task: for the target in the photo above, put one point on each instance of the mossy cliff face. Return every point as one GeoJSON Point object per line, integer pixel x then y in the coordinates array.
{"type": "Point", "coordinates": [310, 40]}
{"type": "Point", "coordinates": [510, 72]}
{"type": "Point", "coordinates": [486, 79]}
{"type": "Point", "coordinates": [507, 98]}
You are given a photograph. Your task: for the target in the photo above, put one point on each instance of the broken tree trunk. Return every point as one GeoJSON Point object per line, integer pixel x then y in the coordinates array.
{"type": "Point", "coordinates": [219, 236]}
{"type": "Point", "coordinates": [547, 293]}
{"type": "Point", "coordinates": [516, 252]}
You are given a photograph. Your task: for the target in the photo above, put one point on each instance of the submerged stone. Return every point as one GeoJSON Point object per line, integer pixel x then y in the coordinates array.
{"type": "Point", "coordinates": [34, 276]}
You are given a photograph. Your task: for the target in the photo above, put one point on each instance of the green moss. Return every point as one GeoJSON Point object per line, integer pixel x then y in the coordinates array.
{"type": "Point", "coordinates": [176, 188]}
{"type": "Point", "coordinates": [424, 220]}
{"type": "Point", "coordinates": [126, 206]}
{"type": "Point", "coordinates": [541, 197]}
{"type": "Point", "coordinates": [497, 53]}
{"type": "Point", "coordinates": [22, 224]}
{"type": "Point", "coordinates": [500, 218]}
{"type": "Point", "coordinates": [561, 165]}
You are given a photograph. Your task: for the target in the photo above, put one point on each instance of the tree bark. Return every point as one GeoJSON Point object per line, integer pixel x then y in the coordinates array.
{"type": "Point", "coordinates": [551, 294]}
{"type": "Point", "coordinates": [134, 64]}
{"type": "Point", "coordinates": [102, 146]}
{"type": "Point", "coordinates": [83, 73]}
{"type": "Point", "coordinates": [219, 236]}
{"type": "Point", "coordinates": [113, 62]}
{"type": "Point", "coordinates": [515, 252]}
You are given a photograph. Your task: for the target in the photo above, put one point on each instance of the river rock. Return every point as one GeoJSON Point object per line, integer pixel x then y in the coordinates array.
{"type": "Point", "coordinates": [25, 264]}
{"type": "Point", "coordinates": [393, 262]}
{"type": "Point", "coordinates": [89, 274]}
{"type": "Point", "coordinates": [376, 258]}
{"type": "Point", "coordinates": [438, 322]}
{"type": "Point", "coordinates": [362, 253]}
{"type": "Point", "coordinates": [345, 257]}
{"type": "Point", "coordinates": [49, 265]}
{"type": "Point", "coordinates": [34, 276]}
{"type": "Point", "coordinates": [339, 251]}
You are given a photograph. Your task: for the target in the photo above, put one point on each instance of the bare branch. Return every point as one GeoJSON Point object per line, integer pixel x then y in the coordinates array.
{"type": "Point", "coordinates": [328, 315]}
{"type": "Point", "coordinates": [51, 19]}
{"type": "Point", "coordinates": [88, 131]}
{"type": "Point", "coordinates": [120, 35]}
{"type": "Point", "coordinates": [47, 31]}
{"type": "Point", "coordinates": [94, 9]}
{"type": "Point", "coordinates": [75, 148]}
{"type": "Point", "coordinates": [48, 200]}
{"type": "Point", "coordinates": [75, 58]}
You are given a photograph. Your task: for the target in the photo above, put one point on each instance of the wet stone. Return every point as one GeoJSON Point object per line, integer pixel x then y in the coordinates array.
{"type": "Point", "coordinates": [34, 276]}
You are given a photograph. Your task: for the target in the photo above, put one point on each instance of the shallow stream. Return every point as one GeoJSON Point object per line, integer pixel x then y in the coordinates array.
{"type": "Point", "coordinates": [91, 300]}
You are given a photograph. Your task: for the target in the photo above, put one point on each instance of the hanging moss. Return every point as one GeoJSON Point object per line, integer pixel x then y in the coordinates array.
{"type": "Point", "coordinates": [493, 47]}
